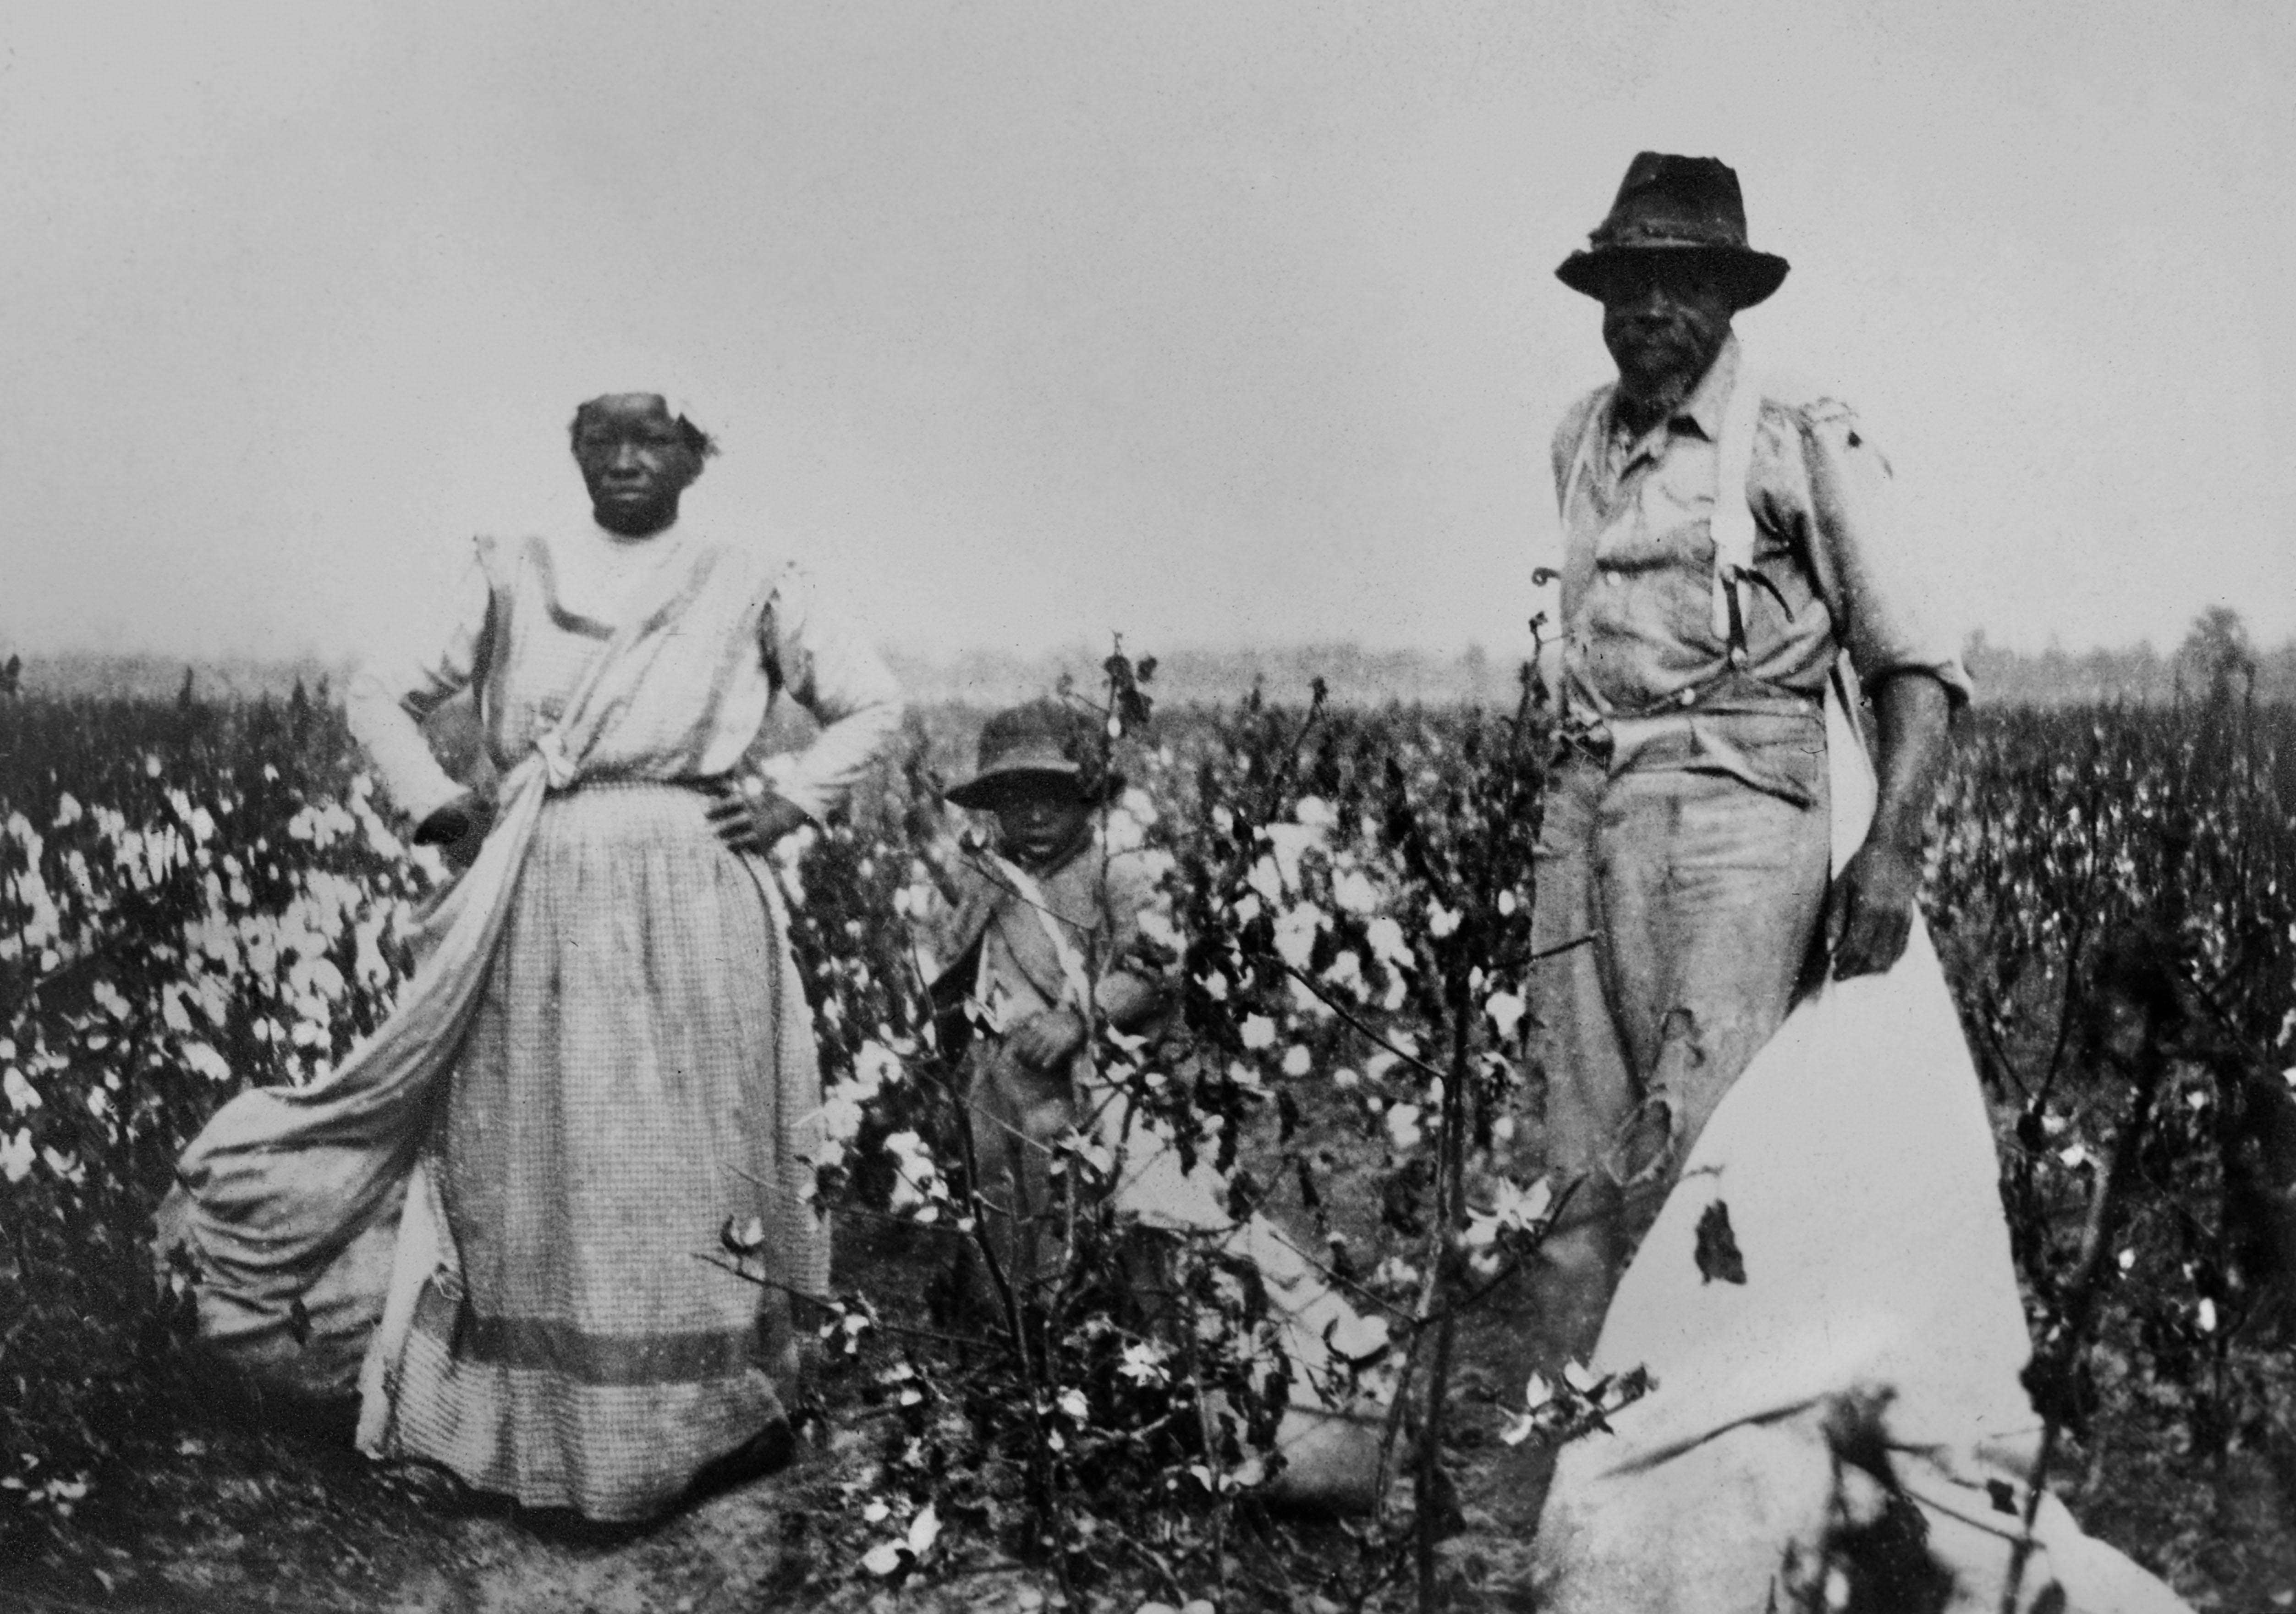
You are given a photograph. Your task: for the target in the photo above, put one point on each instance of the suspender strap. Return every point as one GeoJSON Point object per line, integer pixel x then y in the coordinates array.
{"type": "Point", "coordinates": [1733, 525]}
{"type": "Point", "coordinates": [1077, 985]}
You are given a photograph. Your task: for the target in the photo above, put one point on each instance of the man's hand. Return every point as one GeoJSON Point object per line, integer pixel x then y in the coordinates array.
{"type": "Point", "coordinates": [1047, 1041]}
{"type": "Point", "coordinates": [1871, 910]}
{"type": "Point", "coordinates": [750, 817]}
{"type": "Point", "coordinates": [458, 830]}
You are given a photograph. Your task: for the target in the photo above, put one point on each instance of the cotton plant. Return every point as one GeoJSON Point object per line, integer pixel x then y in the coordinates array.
{"type": "Point", "coordinates": [1363, 931]}
{"type": "Point", "coordinates": [191, 900]}
{"type": "Point", "coordinates": [1123, 1426]}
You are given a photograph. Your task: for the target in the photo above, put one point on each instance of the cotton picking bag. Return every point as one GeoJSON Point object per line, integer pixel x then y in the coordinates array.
{"type": "Point", "coordinates": [287, 1205]}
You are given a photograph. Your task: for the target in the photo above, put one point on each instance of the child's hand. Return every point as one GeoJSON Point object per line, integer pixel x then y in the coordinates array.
{"type": "Point", "coordinates": [1046, 1041]}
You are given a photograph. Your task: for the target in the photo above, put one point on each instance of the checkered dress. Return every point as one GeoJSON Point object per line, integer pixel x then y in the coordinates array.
{"type": "Point", "coordinates": [640, 1067]}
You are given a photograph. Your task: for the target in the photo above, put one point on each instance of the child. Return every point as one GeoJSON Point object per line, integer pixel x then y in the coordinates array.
{"type": "Point", "coordinates": [1048, 918]}
{"type": "Point", "coordinates": [1051, 914]}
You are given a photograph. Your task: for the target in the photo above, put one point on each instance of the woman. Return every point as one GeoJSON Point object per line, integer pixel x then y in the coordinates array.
{"type": "Point", "coordinates": [608, 1053]}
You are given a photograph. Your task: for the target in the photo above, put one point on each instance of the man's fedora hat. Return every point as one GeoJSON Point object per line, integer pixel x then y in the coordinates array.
{"type": "Point", "coordinates": [1675, 206]}
{"type": "Point", "coordinates": [1042, 742]}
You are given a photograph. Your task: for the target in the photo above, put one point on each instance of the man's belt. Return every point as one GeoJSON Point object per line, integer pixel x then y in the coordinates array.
{"type": "Point", "coordinates": [1701, 739]}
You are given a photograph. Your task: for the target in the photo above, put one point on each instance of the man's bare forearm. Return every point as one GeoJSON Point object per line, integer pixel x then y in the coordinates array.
{"type": "Point", "coordinates": [1916, 718]}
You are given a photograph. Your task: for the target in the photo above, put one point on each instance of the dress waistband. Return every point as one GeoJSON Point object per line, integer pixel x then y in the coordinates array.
{"type": "Point", "coordinates": [590, 785]}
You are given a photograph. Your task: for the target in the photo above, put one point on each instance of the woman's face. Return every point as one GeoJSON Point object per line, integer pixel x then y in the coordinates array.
{"type": "Point", "coordinates": [635, 461]}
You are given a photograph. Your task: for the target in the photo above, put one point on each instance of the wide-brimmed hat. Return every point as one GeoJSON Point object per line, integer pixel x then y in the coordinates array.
{"type": "Point", "coordinates": [1043, 742]}
{"type": "Point", "coordinates": [1676, 207]}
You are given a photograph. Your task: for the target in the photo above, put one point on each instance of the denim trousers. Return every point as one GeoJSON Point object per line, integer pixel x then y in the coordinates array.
{"type": "Point", "coordinates": [1682, 877]}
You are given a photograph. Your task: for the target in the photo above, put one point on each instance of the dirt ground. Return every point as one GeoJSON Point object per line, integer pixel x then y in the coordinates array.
{"type": "Point", "coordinates": [246, 1521]}
{"type": "Point", "coordinates": [231, 1518]}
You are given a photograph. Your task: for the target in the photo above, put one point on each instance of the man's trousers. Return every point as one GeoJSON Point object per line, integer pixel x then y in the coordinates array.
{"type": "Point", "coordinates": [1688, 862]}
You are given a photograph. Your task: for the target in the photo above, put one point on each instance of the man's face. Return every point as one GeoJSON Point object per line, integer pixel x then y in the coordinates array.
{"type": "Point", "coordinates": [1664, 318]}
{"type": "Point", "coordinates": [635, 461]}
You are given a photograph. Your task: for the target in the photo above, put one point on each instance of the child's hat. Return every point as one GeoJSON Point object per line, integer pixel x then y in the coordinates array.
{"type": "Point", "coordinates": [1043, 741]}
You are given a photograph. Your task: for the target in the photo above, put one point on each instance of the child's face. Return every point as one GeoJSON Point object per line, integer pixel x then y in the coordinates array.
{"type": "Point", "coordinates": [1039, 820]}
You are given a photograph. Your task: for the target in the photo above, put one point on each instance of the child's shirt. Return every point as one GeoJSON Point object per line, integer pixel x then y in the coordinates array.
{"type": "Point", "coordinates": [1002, 953]}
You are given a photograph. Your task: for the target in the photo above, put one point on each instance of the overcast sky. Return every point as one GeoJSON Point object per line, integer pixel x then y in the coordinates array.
{"type": "Point", "coordinates": [1216, 322]}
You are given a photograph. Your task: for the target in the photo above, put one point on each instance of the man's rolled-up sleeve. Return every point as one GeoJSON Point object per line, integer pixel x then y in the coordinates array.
{"type": "Point", "coordinates": [1891, 604]}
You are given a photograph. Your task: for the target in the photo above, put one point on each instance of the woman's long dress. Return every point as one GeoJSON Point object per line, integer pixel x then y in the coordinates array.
{"type": "Point", "coordinates": [640, 1063]}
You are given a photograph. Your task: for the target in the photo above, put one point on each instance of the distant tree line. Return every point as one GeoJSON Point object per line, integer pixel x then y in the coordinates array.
{"type": "Point", "coordinates": [2217, 659]}
{"type": "Point", "coordinates": [2217, 656]}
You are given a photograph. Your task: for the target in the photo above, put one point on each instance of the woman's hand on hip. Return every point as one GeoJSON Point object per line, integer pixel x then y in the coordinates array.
{"type": "Point", "coordinates": [458, 830]}
{"type": "Point", "coordinates": [750, 816]}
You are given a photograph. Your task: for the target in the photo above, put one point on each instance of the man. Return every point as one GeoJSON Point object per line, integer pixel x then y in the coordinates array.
{"type": "Point", "coordinates": [1684, 890]}
{"type": "Point", "coordinates": [1836, 1416]}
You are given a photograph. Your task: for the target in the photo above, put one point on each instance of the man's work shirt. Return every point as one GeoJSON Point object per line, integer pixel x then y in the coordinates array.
{"type": "Point", "coordinates": [1638, 632]}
